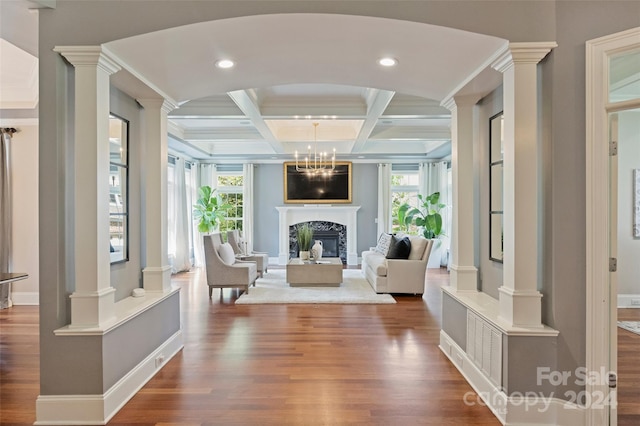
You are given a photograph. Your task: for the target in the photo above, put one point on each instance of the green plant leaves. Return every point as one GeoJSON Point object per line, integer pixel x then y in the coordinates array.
{"type": "Point", "coordinates": [305, 234]}
{"type": "Point", "coordinates": [207, 211]}
{"type": "Point", "coordinates": [426, 216]}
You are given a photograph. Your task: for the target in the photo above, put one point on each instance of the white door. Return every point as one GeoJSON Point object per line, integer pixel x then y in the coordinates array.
{"type": "Point", "coordinates": [613, 91]}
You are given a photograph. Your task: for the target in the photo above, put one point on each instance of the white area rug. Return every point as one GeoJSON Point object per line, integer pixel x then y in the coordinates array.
{"type": "Point", "coordinates": [633, 326]}
{"type": "Point", "coordinates": [273, 288]}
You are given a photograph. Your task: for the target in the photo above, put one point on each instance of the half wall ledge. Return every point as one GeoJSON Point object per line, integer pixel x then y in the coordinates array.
{"type": "Point", "coordinates": [124, 310]}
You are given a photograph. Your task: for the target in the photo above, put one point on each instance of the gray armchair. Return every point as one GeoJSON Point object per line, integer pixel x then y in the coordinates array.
{"type": "Point", "coordinates": [261, 258]}
{"type": "Point", "coordinates": [223, 270]}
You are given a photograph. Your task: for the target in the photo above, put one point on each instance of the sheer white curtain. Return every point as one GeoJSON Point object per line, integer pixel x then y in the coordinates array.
{"type": "Point", "coordinates": [247, 205]}
{"type": "Point", "coordinates": [179, 259]}
{"type": "Point", "coordinates": [207, 175]}
{"type": "Point", "coordinates": [433, 177]}
{"type": "Point", "coordinates": [5, 213]}
{"type": "Point", "coordinates": [384, 198]}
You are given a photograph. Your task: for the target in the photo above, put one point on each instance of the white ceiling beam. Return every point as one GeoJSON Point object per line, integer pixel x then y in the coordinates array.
{"type": "Point", "coordinates": [175, 130]}
{"type": "Point", "coordinates": [411, 133]}
{"type": "Point", "coordinates": [431, 146]}
{"type": "Point", "coordinates": [377, 101]}
{"type": "Point", "coordinates": [247, 102]}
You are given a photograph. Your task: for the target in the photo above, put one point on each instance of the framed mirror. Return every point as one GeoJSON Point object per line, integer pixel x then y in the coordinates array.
{"type": "Point", "coordinates": [118, 189]}
{"type": "Point", "coordinates": [496, 213]}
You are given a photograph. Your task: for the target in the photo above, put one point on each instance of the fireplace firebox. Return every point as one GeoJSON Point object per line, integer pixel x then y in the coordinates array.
{"type": "Point", "coordinates": [333, 237]}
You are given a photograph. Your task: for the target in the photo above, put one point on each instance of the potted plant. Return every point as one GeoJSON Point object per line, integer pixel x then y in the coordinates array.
{"type": "Point", "coordinates": [208, 211]}
{"type": "Point", "coordinates": [304, 234]}
{"type": "Point", "coordinates": [428, 219]}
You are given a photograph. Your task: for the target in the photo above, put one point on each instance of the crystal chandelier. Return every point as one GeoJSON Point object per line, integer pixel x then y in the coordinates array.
{"type": "Point", "coordinates": [319, 163]}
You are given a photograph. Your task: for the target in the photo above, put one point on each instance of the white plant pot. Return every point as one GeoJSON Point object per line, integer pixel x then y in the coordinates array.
{"type": "Point", "coordinates": [436, 255]}
{"type": "Point", "coordinates": [304, 255]}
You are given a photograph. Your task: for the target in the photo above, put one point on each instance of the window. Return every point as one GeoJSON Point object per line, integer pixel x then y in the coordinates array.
{"type": "Point", "coordinates": [404, 189]}
{"type": "Point", "coordinates": [118, 189]}
{"type": "Point", "coordinates": [230, 192]}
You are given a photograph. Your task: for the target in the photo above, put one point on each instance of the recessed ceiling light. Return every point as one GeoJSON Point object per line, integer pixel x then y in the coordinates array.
{"type": "Point", "coordinates": [388, 62]}
{"type": "Point", "coordinates": [225, 63]}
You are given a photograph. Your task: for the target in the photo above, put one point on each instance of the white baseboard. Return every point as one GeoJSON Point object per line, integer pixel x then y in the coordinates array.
{"type": "Point", "coordinates": [99, 409]}
{"type": "Point", "coordinates": [31, 298]}
{"type": "Point", "coordinates": [626, 300]}
{"type": "Point", "coordinates": [528, 410]}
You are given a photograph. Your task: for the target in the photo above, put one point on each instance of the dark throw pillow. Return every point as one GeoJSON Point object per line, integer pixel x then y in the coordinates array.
{"type": "Point", "coordinates": [399, 248]}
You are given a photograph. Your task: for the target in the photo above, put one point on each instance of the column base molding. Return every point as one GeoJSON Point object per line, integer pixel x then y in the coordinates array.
{"type": "Point", "coordinates": [157, 278]}
{"type": "Point", "coordinates": [464, 278]}
{"type": "Point", "coordinates": [520, 308]}
{"type": "Point", "coordinates": [92, 309]}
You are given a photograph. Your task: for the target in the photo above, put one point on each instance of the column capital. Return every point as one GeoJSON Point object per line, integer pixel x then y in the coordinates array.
{"type": "Point", "coordinates": [82, 56]}
{"type": "Point", "coordinates": [523, 53]}
{"type": "Point", "coordinates": [160, 103]}
{"type": "Point", "coordinates": [453, 102]}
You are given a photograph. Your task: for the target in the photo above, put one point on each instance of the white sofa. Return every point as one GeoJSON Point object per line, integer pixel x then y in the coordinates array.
{"type": "Point", "coordinates": [398, 275]}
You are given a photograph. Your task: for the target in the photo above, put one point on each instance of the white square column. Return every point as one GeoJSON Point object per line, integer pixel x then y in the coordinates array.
{"type": "Point", "coordinates": [464, 273]}
{"type": "Point", "coordinates": [156, 274]}
{"type": "Point", "coordinates": [92, 302]}
{"type": "Point", "coordinates": [519, 298]}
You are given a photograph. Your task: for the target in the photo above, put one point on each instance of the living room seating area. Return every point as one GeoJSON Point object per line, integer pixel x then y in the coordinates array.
{"type": "Point", "coordinates": [235, 239]}
{"type": "Point", "coordinates": [397, 264]}
{"type": "Point", "coordinates": [223, 270]}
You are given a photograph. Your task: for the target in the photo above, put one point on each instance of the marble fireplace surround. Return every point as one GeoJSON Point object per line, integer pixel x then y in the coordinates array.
{"type": "Point", "coordinates": [344, 215]}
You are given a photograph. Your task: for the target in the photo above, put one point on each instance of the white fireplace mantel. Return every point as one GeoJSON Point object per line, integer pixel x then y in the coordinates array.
{"type": "Point", "coordinates": [344, 215]}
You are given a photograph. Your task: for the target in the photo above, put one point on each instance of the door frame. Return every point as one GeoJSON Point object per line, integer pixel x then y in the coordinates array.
{"type": "Point", "coordinates": [601, 304]}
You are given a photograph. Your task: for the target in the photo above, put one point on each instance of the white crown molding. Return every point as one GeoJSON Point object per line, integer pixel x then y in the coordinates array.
{"type": "Point", "coordinates": [139, 76]}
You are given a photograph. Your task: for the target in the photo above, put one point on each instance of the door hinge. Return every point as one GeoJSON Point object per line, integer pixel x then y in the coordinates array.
{"type": "Point", "coordinates": [613, 148]}
{"type": "Point", "coordinates": [613, 264]}
{"type": "Point", "coordinates": [613, 380]}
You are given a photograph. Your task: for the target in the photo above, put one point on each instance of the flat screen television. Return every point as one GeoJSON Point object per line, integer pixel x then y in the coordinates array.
{"type": "Point", "coordinates": [331, 187]}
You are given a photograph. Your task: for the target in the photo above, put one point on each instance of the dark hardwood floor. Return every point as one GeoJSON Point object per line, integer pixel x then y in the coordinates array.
{"type": "Point", "coordinates": [628, 371]}
{"type": "Point", "coordinates": [291, 365]}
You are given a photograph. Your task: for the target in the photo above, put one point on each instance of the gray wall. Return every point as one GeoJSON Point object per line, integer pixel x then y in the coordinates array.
{"type": "Point", "coordinates": [269, 192]}
{"type": "Point", "coordinates": [562, 77]}
{"type": "Point", "coordinates": [365, 195]}
{"type": "Point", "coordinates": [158, 323]}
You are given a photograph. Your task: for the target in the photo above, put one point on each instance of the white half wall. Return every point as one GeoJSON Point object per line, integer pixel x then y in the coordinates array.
{"type": "Point", "coordinates": [24, 186]}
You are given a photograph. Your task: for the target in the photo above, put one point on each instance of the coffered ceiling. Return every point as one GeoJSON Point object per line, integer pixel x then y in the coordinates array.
{"type": "Point", "coordinates": [274, 122]}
